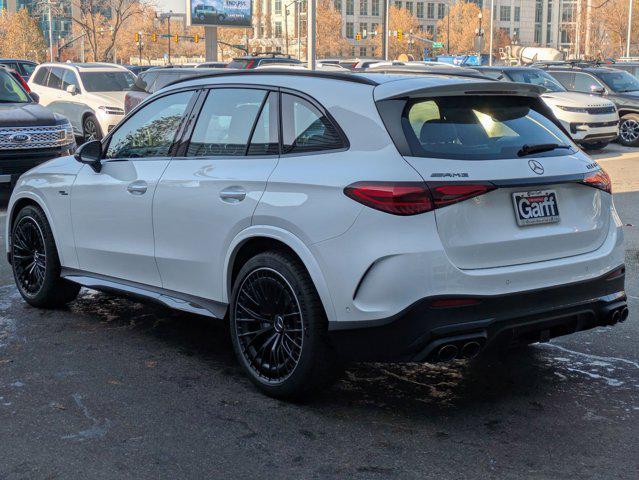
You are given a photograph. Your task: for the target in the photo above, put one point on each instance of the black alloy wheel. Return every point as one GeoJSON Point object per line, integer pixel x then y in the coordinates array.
{"type": "Point", "coordinates": [29, 256]}
{"type": "Point", "coordinates": [269, 325]}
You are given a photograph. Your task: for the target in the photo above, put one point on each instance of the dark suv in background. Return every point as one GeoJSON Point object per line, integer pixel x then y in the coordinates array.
{"type": "Point", "coordinates": [154, 79]}
{"type": "Point", "coordinates": [616, 85]}
{"type": "Point", "coordinates": [24, 67]}
{"type": "Point", "coordinates": [30, 134]}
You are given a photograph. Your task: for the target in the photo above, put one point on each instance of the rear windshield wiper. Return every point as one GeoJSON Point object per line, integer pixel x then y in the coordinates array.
{"type": "Point", "coordinates": [541, 147]}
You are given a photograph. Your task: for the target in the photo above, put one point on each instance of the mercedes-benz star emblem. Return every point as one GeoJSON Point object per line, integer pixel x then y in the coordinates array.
{"type": "Point", "coordinates": [536, 167]}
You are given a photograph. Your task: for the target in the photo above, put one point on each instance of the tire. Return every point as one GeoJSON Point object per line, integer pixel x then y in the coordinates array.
{"type": "Point", "coordinates": [35, 262]}
{"type": "Point", "coordinates": [91, 129]}
{"type": "Point", "coordinates": [594, 146]}
{"type": "Point", "coordinates": [221, 17]}
{"type": "Point", "coordinates": [629, 130]}
{"type": "Point", "coordinates": [300, 361]}
{"type": "Point", "coordinates": [202, 17]}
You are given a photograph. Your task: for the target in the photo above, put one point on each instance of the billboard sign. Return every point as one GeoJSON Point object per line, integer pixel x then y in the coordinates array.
{"type": "Point", "coordinates": [221, 13]}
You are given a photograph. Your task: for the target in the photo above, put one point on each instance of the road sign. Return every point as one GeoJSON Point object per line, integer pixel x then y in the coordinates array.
{"type": "Point", "coordinates": [438, 45]}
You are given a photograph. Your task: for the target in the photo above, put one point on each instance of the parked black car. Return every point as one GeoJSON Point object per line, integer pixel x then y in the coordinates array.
{"type": "Point", "coordinates": [154, 79]}
{"type": "Point", "coordinates": [618, 86]}
{"type": "Point", "coordinates": [24, 67]}
{"type": "Point", "coordinates": [30, 134]}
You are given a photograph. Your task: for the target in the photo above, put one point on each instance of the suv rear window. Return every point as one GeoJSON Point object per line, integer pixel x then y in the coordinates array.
{"type": "Point", "coordinates": [478, 128]}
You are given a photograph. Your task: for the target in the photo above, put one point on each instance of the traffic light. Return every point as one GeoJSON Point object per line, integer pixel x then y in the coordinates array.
{"type": "Point", "coordinates": [196, 38]}
{"type": "Point", "coordinates": [137, 37]}
{"type": "Point", "coordinates": [176, 38]}
{"type": "Point", "coordinates": [154, 37]}
{"type": "Point", "coordinates": [400, 34]}
{"type": "Point", "coordinates": [358, 36]}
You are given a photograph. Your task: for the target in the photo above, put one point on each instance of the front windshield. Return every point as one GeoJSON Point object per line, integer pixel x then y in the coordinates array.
{"type": "Point", "coordinates": [536, 77]}
{"type": "Point", "coordinates": [620, 81]}
{"type": "Point", "coordinates": [11, 91]}
{"type": "Point", "coordinates": [119, 81]}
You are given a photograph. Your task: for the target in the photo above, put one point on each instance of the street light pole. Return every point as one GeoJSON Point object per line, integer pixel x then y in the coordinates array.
{"type": "Point", "coordinates": [311, 33]}
{"type": "Point", "coordinates": [448, 32]}
{"type": "Point", "coordinates": [140, 45]}
{"type": "Point", "coordinates": [490, 48]}
{"type": "Point", "coordinates": [385, 30]}
{"type": "Point", "coordinates": [50, 32]}
{"type": "Point", "coordinates": [168, 23]}
{"type": "Point", "coordinates": [629, 28]}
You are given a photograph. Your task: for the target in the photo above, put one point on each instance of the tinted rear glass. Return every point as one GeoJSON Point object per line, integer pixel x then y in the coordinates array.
{"type": "Point", "coordinates": [478, 128]}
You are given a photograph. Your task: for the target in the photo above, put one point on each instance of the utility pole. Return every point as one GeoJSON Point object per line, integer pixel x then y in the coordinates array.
{"type": "Point", "coordinates": [50, 32]}
{"type": "Point", "coordinates": [385, 31]}
{"type": "Point", "coordinates": [140, 45]}
{"type": "Point", "coordinates": [311, 33]}
{"type": "Point", "coordinates": [629, 28]}
{"type": "Point", "coordinates": [298, 5]}
{"type": "Point", "coordinates": [448, 31]}
{"type": "Point", "coordinates": [490, 43]}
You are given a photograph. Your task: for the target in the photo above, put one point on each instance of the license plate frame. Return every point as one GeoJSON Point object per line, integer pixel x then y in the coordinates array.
{"type": "Point", "coordinates": [536, 207]}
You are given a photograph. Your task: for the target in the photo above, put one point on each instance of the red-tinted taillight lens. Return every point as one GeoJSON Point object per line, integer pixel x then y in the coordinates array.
{"type": "Point", "coordinates": [599, 179]}
{"type": "Point", "coordinates": [412, 198]}
{"type": "Point", "coordinates": [402, 198]}
{"type": "Point", "coordinates": [452, 193]}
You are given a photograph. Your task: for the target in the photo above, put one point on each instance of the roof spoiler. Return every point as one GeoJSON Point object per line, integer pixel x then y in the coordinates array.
{"type": "Point", "coordinates": [415, 89]}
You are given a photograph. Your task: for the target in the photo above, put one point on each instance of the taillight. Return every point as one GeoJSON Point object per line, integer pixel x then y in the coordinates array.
{"type": "Point", "coordinates": [412, 198]}
{"type": "Point", "coordinates": [404, 198]}
{"type": "Point", "coordinates": [19, 78]}
{"type": "Point", "coordinates": [599, 179]}
{"type": "Point", "coordinates": [249, 64]}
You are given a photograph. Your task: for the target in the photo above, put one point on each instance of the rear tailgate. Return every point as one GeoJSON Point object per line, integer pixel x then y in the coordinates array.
{"type": "Point", "coordinates": [537, 206]}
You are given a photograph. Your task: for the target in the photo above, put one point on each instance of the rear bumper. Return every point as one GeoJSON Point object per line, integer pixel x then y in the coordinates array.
{"type": "Point", "coordinates": [420, 331]}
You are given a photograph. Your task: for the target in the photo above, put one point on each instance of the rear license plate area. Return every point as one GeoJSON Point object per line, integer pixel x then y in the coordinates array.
{"type": "Point", "coordinates": [536, 207]}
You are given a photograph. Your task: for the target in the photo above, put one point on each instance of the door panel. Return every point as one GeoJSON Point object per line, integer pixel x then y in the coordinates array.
{"type": "Point", "coordinates": [206, 197]}
{"type": "Point", "coordinates": [112, 223]}
{"type": "Point", "coordinates": [112, 210]}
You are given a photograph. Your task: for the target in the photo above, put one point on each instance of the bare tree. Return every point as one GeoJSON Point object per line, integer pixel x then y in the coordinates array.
{"type": "Point", "coordinates": [464, 20]}
{"type": "Point", "coordinates": [21, 36]}
{"type": "Point", "coordinates": [101, 21]}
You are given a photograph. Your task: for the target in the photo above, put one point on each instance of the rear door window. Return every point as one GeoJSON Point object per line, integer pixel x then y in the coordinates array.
{"type": "Point", "coordinates": [55, 78]}
{"type": "Point", "coordinates": [567, 79]}
{"type": "Point", "coordinates": [40, 77]}
{"type": "Point", "coordinates": [305, 128]}
{"type": "Point", "coordinates": [226, 122]}
{"type": "Point", "coordinates": [586, 83]}
{"type": "Point", "coordinates": [478, 128]}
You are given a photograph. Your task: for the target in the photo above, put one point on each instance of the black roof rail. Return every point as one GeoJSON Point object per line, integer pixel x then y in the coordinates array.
{"type": "Point", "coordinates": [343, 76]}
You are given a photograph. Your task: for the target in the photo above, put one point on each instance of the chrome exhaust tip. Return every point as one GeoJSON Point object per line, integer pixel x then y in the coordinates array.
{"type": "Point", "coordinates": [615, 317]}
{"type": "Point", "coordinates": [624, 314]}
{"type": "Point", "coordinates": [447, 353]}
{"type": "Point", "coordinates": [470, 350]}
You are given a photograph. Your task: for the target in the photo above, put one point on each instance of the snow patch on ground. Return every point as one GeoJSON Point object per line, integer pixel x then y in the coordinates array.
{"type": "Point", "coordinates": [612, 371]}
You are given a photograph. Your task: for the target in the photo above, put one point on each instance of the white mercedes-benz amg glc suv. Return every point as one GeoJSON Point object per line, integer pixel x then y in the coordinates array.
{"type": "Point", "coordinates": [331, 217]}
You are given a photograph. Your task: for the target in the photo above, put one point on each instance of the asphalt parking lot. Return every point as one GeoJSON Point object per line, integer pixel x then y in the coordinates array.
{"type": "Point", "coordinates": [112, 389]}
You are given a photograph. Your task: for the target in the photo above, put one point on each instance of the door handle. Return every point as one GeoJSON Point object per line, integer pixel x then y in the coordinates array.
{"type": "Point", "coordinates": [233, 194]}
{"type": "Point", "coordinates": [137, 188]}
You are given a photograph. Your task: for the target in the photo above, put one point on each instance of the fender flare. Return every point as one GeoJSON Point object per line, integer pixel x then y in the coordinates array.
{"type": "Point", "coordinates": [295, 244]}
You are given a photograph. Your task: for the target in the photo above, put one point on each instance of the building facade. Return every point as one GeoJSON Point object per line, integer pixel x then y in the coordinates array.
{"type": "Point", "coordinates": [545, 23]}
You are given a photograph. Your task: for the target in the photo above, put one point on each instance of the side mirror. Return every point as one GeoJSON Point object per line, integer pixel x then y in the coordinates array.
{"type": "Point", "coordinates": [72, 89]}
{"type": "Point", "coordinates": [35, 97]}
{"type": "Point", "coordinates": [91, 154]}
{"type": "Point", "coordinates": [597, 90]}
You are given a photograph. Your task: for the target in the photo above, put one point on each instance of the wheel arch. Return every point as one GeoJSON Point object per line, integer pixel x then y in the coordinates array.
{"type": "Point", "coordinates": [258, 239]}
{"type": "Point", "coordinates": [22, 200]}
{"type": "Point", "coordinates": [625, 111]}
